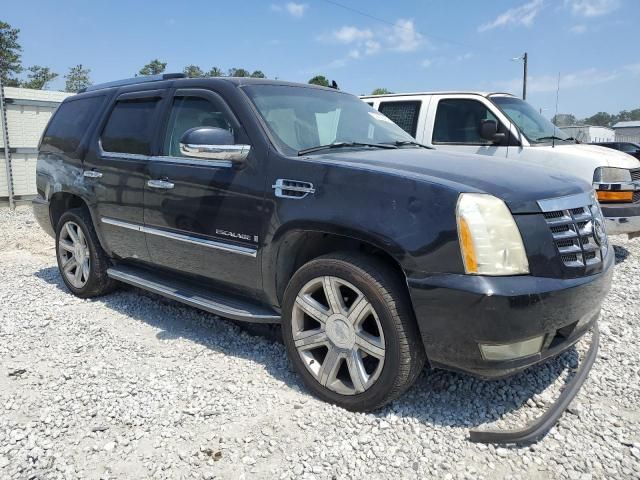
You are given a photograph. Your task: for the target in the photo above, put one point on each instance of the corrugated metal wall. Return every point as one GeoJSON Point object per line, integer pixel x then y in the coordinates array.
{"type": "Point", "coordinates": [28, 112]}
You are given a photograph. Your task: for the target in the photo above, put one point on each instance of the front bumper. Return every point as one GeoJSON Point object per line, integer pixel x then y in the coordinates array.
{"type": "Point", "coordinates": [456, 313]}
{"type": "Point", "coordinates": [621, 218]}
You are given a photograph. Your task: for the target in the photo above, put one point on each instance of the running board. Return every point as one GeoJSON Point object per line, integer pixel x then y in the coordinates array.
{"type": "Point", "coordinates": [193, 295]}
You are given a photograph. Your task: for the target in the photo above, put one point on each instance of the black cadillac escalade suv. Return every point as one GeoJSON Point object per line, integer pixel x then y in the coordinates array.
{"type": "Point", "coordinates": [267, 201]}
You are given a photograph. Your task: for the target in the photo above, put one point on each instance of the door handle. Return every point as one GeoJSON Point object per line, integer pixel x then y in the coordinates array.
{"type": "Point", "coordinates": [92, 174]}
{"type": "Point", "coordinates": [161, 184]}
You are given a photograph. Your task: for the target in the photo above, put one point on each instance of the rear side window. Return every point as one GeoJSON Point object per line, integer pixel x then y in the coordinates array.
{"type": "Point", "coordinates": [130, 126]}
{"type": "Point", "coordinates": [403, 114]}
{"type": "Point", "coordinates": [69, 124]}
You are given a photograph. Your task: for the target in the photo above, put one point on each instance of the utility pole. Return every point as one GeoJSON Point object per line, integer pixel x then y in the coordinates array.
{"type": "Point", "coordinates": [525, 58]}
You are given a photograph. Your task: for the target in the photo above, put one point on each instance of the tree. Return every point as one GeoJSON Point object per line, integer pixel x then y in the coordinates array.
{"type": "Point", "coordinates": [319, 80]}
{"type": "Point", "coordinates": [381, 91]}
{"type": "Point", "coordinates": [10, 52]}
{"type": "Point", "coordinates": [564, 120]}
{"type": "Point", "coordinates": [215, 72]}
{"type": "Point", "coordinates": [193, 71]}
{"type": "Point", "coordinates": [77, 79]}
{"type": "Point", "coordinates": [154, 67]}
{"type": "Point", "coordinates": [600, 119]}
{"type": "Point", "coordinates": [239, 72]}
{"type": "Point", "coordinates": [258, 74]}
{"type": "Point", "coordinates": [38, 77]}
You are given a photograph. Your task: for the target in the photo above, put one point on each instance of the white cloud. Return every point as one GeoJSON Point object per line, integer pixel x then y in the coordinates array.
{"type": "Point", "coordinates": [578, 29]}
{"type": "Point", "coordinates": [592, 8]}
{"type": "Point", "coordinates": [523, 15]}
{"type": "Point", "coordinates": [445, 61]}
{"type": "Point", "coordinates": [572, 80]}
{"type": "Point", "coordinates": [294, 9]}
{"type": "Point", "coordinates": [426, 63]}
{"type": "Point", "coordinates": [401, 37]}
{"type": "Point", "coordinates": [349, 34]}
{"type": "Point", "coordinates": [404, 37]}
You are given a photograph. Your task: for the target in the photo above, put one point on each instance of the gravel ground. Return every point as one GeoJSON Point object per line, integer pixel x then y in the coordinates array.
{"type": "Point", "coordinates": [135, 386]}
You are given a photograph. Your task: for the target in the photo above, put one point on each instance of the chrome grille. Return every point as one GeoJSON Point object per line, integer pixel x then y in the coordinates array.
{"type": "Point", "coordinates": [635, 174]}
{"type": "Point", "coordinates": [573, 234]}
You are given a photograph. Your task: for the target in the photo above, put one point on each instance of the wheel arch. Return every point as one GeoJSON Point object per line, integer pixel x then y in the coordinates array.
{"type": "Point", "coordinates": [295, 246]}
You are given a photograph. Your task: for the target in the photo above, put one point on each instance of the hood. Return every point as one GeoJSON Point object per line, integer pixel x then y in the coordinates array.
{"type": "Point", "coordinates": [519, 186]}
{"type": "Point", "coordinates": [603, 156]}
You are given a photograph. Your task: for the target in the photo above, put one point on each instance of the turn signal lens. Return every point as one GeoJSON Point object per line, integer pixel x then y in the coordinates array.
{"type": "Point", "coordinates": [614, 196]}
{"type": "Point", "coordinates": [490, 242]}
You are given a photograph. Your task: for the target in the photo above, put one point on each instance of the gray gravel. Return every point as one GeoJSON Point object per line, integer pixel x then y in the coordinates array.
{"type": "Point", "coordinates": [135, 386]}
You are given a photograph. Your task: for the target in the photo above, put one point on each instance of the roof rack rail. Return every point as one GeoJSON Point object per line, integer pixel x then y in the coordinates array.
{"type": "Point", "coordinates": [133, 81]}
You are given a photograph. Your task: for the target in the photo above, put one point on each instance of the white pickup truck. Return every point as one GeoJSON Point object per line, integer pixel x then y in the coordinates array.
{"type": "Point", "coordinates": [501, 125]}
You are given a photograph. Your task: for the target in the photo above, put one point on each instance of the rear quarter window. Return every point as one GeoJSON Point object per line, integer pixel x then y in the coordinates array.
{"type": "Point", "coordinates": [69, 124]}
{"type": "Point", "coordinates": [404, 114]}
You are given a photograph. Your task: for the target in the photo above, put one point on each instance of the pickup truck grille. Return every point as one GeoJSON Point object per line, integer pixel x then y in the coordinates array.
{"type": "Point", "coordinates": [635, 174]}
{"type": "Point", "coordinates": [573, 234]}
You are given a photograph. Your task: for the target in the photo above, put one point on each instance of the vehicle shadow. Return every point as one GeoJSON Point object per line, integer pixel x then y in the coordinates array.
{"type": "Point", "coordinates": [621, 253]}
{"type": "Point", "coordinates": [439, 397]}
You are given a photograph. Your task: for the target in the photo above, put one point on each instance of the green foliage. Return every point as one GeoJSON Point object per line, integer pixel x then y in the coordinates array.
{"type": "Point", "coordinates": [215, 72]}
{"type": "Point", "coordinates": [154, 67]}
{"type": "Point", "coordinates": [319, 80]}
{"type": "Point", "coordinates": [258, 74]}
{"type": "Point", "coordinates": [564, 120]}
{"type": "Point", "coordinates": [38, 77]}
{"type": "Point", "coordinates": [77, 78]}
{"type": "Point", "coordinates": [381, 91]}
{"type": "Point", "coordinates": [600, 119]}
{"type": "Point", "coordinates": [10, 52]}
{"type": "Point", "coordinates": [239, 72]}
{"type": "Point", "coordinates": [193, 71]}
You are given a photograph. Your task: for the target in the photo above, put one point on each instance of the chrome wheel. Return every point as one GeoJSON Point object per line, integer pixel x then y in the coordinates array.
{"type": "Point", "coordinates": [74, 255]}
{"type": "Point", "coordinates": [338, 335]}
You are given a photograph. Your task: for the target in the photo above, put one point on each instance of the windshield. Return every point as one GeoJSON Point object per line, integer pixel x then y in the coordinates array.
{"type": "Point", "coordinates": [300, 118]}
{"type": "Point", "coordinates": [534, 126]}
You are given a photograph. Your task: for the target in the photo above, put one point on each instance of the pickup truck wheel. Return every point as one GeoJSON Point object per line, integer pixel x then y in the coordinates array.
{"type": "Point", "coordinates": [350, 332]}
{"type": "Point", "coordinates": [82, 262]}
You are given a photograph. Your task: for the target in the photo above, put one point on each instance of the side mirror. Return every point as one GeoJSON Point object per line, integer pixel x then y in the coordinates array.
{"type": "Point", "coordinates": [489, 131]}
{"type": "Point", "coordinates": [212, 143]}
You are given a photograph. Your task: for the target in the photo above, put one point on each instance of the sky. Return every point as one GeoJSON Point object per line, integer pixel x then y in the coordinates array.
{"type": "Point", "coordinates": [404, 46]}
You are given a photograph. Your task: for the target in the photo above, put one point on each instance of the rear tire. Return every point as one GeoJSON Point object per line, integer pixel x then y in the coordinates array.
{"type": "Point", "coordinates": [82, 262]}
{"type": "Point", "coordinates": [359, 347]}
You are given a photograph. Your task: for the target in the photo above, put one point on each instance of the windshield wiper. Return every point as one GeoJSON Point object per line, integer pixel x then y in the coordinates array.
{"type": "Point", "coordinates": [343, 145]}
{"type": "Point", "coordinates": [553, 137]}
{"type": "Point", "coordinates": [402, 143]}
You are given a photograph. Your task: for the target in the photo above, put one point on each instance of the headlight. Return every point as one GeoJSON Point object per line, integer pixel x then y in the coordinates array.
{"type": "Point", "coordinates": [611, 175]}
{"type": "Point", "coordinates": [490, 241]}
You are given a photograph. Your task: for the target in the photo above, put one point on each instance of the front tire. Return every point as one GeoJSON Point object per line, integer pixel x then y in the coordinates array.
{"type": "Point", "coordinates": [350, 331]}
{"type": "Point", "coordinates": [82, 262]}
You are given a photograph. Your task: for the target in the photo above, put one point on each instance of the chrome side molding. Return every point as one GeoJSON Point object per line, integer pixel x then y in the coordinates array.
{"type": "Point", "coordinates": [226, 247]}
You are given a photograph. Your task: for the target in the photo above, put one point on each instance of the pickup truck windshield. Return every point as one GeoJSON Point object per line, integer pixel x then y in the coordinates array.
{"type": "Point", "coordinates": [534, 126]}
{"type": "Point", "coordinates": [302, 118]}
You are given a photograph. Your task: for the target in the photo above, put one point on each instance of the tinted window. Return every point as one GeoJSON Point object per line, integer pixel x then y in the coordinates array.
{"type": "Point", "coordinates": [403, 114]}
{"type": "Point", "coordinates": [628, 147]}
{"type": "Point", "coordinates": [130, 127]}
{"type": "Point", "coordinates": [191, 112]}
{"type": "Point", "coordinates": [69, 124]}
{"type": "Point", "coordinates": [458, 121]}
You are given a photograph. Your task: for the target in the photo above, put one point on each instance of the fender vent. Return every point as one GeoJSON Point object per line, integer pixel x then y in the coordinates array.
{"type": "Point", "coordinates": [292, 188]}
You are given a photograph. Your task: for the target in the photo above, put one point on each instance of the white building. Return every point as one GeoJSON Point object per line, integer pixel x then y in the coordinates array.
{"type": "Point", "coordinates": [27, 113]}
{"type": "Point", "coordinates": [589, 133]}
{"type": "Point", "coordinates": [627, 131]}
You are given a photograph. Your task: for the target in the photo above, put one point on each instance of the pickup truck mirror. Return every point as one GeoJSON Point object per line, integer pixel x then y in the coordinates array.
{"type": "Point", "coordinates": [489, 131]}
{"type": "Point", "coordinates": [212, 143]}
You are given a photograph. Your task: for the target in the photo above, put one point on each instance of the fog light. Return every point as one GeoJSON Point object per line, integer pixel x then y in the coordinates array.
{"type": "Point", "coordinates": [509, 351]}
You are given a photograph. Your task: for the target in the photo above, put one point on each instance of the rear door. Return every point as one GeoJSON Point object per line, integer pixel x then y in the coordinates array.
{"type": "Point", "coordinates": [116, 170]}
{"type": "Point", "coordinates": [204, 217]}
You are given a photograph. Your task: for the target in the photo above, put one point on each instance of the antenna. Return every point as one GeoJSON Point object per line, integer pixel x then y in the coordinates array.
{"type": "Point", "coordinates": [553, 140]}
